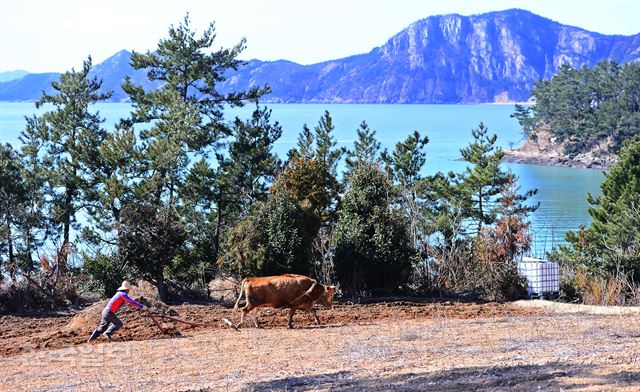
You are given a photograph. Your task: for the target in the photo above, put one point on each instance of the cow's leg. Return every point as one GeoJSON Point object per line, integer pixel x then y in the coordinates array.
{"type": "Point", "coordinates": [290, 318]}
{"type": "Point", "coordinates": [246, 309]}
{"type": "Point", "coordinates": [315, 315]}
{"type": "Point", "coordinates": [254, 316]}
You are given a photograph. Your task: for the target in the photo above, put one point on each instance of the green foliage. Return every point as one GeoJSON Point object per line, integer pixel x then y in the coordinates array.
{"type": "Point", "coordinates": [181, 125]}
{"type": "Point", "coordinates": [175, 191]}
{"type": "Point", "coordinates": [366, 149]}
{"type": "Point", "coordinates": [326, 150]}
{"type": "Point", "coordinates": [484, 179]}
{"type": "Point", "coordinates": [310, 173]}
{"type": "Point", "coordinates": [251, 165]}
{"type": "Point", "coordinates": [408, 158]}
{"type": "Point", "coordinates": [611, 244]}
{"type": "Point", "coordinates": [12, 207]}
{"type": "Point", "coordinates": [524, 115]}
{"type": "Point", "coordinates": [405, 165]}
{"type": "Point", "coordinates": [185, 114]}
{"type": "Point", "coordinates": [278, 235]}
{"type": "Point", "coordinates": [35, 224]}
{"type": "Point", "coordinates": [587, 106]}
{"type": "Point", "coordinates": [107, 272]}
{"type": "Point", "coordinates": [498, 247]}
{"type": "Point", "coordinates": [148, 241]}
{"type": "Point", "coordinates": [312, 185]}
{"type": "Point", "coordinates": [462, 214]}
{"type": "Point", "coordinates": [199, 211]}
{"type": "Point", "coordinates": [271, 240]}
{"type": "Point", "coordinates": [70, 135]}
{"type": "Point", "coordinates": [372, 245]}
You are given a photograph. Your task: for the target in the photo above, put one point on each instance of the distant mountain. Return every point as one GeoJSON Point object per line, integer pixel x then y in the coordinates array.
{"type": "Point", "coordinates": [28, 87]}
{"type": "Point", "coordinates": [113, 70]}
{"type": "Point", "coordinates": [492, 57]}
{"type": "Point", "coordinates": [11, 75]}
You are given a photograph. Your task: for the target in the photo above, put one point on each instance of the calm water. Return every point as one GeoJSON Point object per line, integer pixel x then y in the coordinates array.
{"type": "Point", "coordinates": [561, 191]}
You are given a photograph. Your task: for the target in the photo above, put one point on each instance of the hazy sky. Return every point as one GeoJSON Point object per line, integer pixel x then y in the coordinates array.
{"type": "Point", "coordinates": [40, 36]}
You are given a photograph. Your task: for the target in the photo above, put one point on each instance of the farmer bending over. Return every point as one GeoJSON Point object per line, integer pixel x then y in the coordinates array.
{"type": "Point", "coordinates": [109, 312]}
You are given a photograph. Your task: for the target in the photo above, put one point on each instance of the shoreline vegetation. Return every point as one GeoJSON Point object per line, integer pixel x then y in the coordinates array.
{"type": "Point", "coordinates": [582, 117]}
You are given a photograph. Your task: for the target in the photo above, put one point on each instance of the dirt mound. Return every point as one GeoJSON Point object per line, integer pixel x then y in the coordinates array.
{"type": "Point", "coordinates": [65, 330]}
{"type": "Point", "coordinates": [136, 325]}
{"type": "Point", "coordinates": [224, 290]}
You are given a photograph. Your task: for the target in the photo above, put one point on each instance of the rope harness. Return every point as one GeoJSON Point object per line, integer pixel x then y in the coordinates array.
{"type": "Point", "coordinates": [153, 318]}
{"type": "Point", "coordinates": [306, 294]}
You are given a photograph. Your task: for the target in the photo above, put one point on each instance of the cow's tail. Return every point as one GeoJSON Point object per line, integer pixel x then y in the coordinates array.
{"type": "Point", "coordinates": [242, 285]}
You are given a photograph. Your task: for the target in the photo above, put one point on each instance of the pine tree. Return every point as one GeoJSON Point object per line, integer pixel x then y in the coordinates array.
{"type": "Point", "coordinates": [12, 200]}
{"type": "Point", "coordinates": [185, 113]}
{"type": "Point", "coordinates": [372, 244]}
{"type": "Point", "coordinates": [310, 173]}
{"type": "Point", "coordinates": [304, 146]}
{"type": "Point", "coordinates": [407, 160]}
{"type": "Point", "coordinates": [585, 107]}
{"type": "Point", "coordinates": [366, 149]}
{"type": "Point", "coordinates": [526, 118]}
{"type": "Point", "coordinates": [273, 239]}
{"type": "Point", "coordinates": [216, 199]}
{"type": "Point", "coordinates": [36, 227]}
{"type": "Point", "coordinates": [611, 244]}
{"type": "Point", "coordinates": [326, 150]}
{"type": "Point", "coordinates": [115, 185]}
{"type": "Point", "coordinates": [180, 121]}
{"type": "Point", "coordinates": [483, 179]}
{"type": "Point", "coordinates": [251, 164]}
{"type": "Point", "coordinates": [71, 134]}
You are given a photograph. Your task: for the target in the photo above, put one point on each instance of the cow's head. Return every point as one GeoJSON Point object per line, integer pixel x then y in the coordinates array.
{"type": "Point", "coordinates": [326, 299]}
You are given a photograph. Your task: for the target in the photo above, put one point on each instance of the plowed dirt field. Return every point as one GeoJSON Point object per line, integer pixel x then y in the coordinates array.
{"type": "Point", "coordinates": [397, 345]}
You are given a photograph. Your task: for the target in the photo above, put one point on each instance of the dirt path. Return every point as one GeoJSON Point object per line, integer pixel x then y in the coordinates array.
{"type": "Point", "coordinates": [399, 346]}
{"type": "Point", "coordinates": [560, 307]}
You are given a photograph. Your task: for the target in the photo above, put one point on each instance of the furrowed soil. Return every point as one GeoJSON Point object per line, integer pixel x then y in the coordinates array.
{"type": "Point", "coordinates": [399, 345]}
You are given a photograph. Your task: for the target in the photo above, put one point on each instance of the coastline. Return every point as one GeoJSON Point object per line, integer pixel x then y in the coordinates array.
{"type": "Point", "coordinates": [514, 156]}
{"type": "Point", "coordinates": [545, 151]}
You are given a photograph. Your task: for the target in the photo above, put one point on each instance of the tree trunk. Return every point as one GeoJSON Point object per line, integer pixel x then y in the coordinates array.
{"type": "Point", "coordinates": [161, 285]}
{"type": "Point", "coordinates": [481, 212]}
{"type": "Point", "coordinates": [66, 222]}
{"type": "Point", "coordinates": [216, 238]}
{"type": "Point", "coordinates": [159, 186]}
{"type": "Point", "coordinates": [27, 248]}
{"type": "Point", "coordinates": [12, 261]}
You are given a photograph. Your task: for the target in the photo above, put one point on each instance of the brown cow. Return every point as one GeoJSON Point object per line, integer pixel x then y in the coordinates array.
{"type": "Point", "coordinates": [287, 291]}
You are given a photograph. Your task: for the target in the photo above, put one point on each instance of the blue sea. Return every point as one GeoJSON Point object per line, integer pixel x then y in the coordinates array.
{"type": "Point", "coordinates": [562, 191]}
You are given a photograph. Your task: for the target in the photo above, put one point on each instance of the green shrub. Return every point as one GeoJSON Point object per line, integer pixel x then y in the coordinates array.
{"type": "Point", "coordinates": [106, 271]}
{"type": "Point", "coordinates": [372, 245]}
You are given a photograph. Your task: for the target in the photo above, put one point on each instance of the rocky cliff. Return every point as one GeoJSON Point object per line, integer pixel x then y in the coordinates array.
{"type": "Point", "coordinates": [492, 57]}
{"type": "Point", "coordinates": [544, 149]}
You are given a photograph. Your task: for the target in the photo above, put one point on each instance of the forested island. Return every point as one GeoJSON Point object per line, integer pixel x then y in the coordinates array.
{"type": "Point", "coordinates": [581, 116]}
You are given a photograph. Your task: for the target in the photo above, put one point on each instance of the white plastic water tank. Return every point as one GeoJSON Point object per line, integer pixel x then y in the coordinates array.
{"type": "Point", "coordinates": [543, 276]}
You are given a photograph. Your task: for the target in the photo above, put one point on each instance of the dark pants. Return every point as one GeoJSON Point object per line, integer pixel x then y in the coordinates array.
{"type": "Point", "coordinates": [108, 317]}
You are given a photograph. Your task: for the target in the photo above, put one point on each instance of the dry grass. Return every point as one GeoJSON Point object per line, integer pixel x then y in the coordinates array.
{"type": "Point", "coordinates": [511, 352]}
{"type": "Point", "coordinates": [562, 307]}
